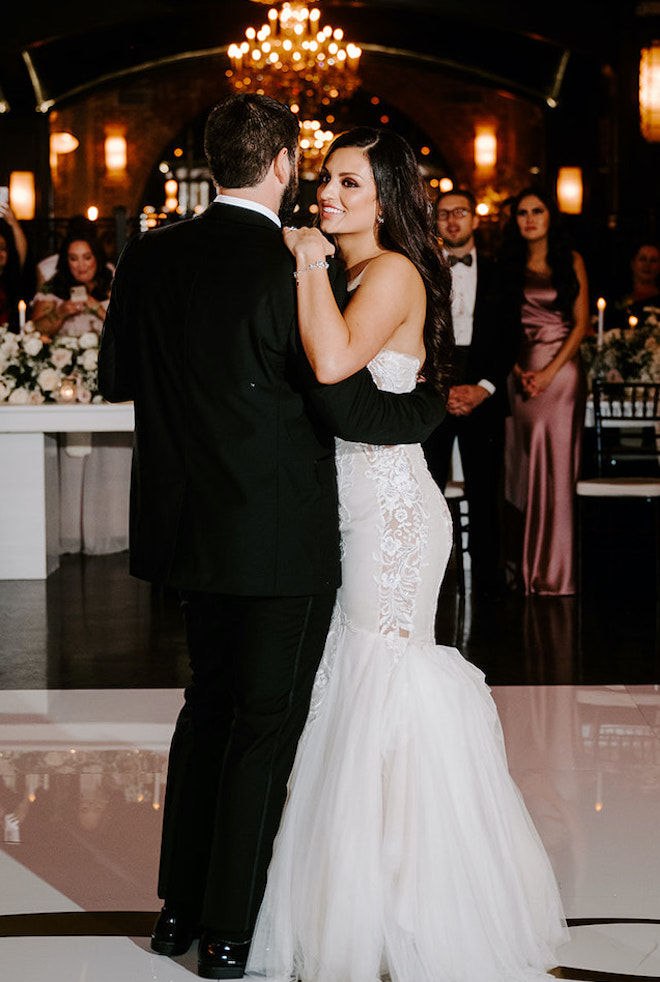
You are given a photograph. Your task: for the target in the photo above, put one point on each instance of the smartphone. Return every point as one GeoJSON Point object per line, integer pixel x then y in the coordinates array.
{"type": "Point", "coordinates": [79, 293]}
{"type": "Point", "coordinates": [4, 195]}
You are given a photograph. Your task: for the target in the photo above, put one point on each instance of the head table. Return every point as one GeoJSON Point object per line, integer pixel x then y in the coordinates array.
{"type": "Point", "coordinates": [29, 487]}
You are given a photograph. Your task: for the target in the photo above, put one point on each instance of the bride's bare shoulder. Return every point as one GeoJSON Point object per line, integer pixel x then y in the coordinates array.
{"type": "Point", "coordinates": [394, 267]}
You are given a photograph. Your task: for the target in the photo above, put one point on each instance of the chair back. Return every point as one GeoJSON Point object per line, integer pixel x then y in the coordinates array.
{"type": "Point", "coordinates": [633, 410]}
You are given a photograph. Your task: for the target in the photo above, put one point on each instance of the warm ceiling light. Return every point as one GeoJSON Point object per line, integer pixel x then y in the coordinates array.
{"type": "Point", "coordinates": [570, 190]}
{"type": "Point", "coordinates": [649, 92]}
{"type": "Point", "coordinates": [22, 195]}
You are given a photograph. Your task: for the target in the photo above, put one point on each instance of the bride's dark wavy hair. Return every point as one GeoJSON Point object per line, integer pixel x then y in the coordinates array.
{"type": "Point", "coordinates": [407, 228]}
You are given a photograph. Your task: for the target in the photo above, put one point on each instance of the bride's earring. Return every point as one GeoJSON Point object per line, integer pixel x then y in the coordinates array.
{"type": "Point", "coordinates": [380, 219]}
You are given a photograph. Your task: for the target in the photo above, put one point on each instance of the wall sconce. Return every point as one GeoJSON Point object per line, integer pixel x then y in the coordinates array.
{"type": "Point", "coordinates": [570, 190]}
{"type": "Point", "coordinates": [61, 142]}
{"type": "Point", "coordinates": [171, 192]}
{"type": "Point", "coordinates": [22, 196]}
{"type": "Point", "coordinates": [649, 92]}
{"type": "Point", "coordinates": [115, 153]}
{"type": "Point", "coordinates": [485, 146]}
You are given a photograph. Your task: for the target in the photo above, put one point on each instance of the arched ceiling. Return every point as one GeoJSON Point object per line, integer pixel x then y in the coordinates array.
{"type": "Point", "coordinates": [53, 52]}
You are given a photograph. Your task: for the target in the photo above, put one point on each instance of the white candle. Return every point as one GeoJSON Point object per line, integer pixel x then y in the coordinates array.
{"type": "Point", "coordinates": [22, 306]}
{"type": "Point", "coordinates": [601, 320]}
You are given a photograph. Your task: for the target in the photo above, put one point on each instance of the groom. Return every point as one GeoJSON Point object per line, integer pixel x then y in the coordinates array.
{"type": "Point", "coordinates": [234, 503]}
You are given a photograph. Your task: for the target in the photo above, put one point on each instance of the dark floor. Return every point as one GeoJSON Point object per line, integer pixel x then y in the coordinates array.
{"type": "Point", "coordinates": [92, 626]}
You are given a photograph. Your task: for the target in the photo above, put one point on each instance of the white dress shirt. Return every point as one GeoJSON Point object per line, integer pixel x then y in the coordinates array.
{"type": "Point", "coordinates": [463, 297]}
{"type": "Point", "coordinates": [229, 199]}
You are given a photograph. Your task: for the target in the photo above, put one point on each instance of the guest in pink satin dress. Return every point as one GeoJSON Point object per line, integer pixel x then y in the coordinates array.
{"type": "Point", "coordinates": [547, 391]}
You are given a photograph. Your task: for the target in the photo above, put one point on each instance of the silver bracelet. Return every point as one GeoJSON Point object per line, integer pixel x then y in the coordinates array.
{"type": "Point", "coordinates": [321, 264]}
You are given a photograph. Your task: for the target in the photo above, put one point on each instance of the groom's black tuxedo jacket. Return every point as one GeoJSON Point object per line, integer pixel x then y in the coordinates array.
{"type": "Point", "coordinates": [233, 487]}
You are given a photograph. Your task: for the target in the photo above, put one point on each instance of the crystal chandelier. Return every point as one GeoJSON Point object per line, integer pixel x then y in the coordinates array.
{"type": "Point", "coordinates": [295, 60]}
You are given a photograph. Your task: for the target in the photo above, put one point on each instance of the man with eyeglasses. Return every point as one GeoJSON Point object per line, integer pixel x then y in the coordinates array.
{"type": "Point", "coordinates": [477, 405]}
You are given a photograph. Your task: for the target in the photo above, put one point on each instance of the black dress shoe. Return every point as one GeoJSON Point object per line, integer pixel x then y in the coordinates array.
{"type": "Point", "coordinates": [220, 959]}
{"type": "Point", "coordinates": [173, 932]}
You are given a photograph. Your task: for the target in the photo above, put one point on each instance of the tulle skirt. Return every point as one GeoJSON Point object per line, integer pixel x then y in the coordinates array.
{"type": "Point", "coordinates": [405, 850]}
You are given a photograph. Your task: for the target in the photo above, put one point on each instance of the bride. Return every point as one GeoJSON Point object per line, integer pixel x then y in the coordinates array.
{"type": "Point", "coordinates": [405, 849]}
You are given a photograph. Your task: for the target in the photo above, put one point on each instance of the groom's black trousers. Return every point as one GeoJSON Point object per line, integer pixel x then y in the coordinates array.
{"type": "Point", "coordinates": [253, 662]}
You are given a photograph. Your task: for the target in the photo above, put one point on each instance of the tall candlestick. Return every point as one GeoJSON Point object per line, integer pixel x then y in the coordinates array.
{"type": "Point", "coordinates": [601, 320]}
{"type": "Point", "coordinates": [22, 306]}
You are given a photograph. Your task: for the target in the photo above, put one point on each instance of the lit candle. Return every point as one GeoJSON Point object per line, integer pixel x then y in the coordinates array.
{"type": "Point", "coordinates": [601, 320]}
{"type": "Point", "coordinates": [22, 307]}
{"type": "Point", "coordinates": [633, 321]}
{"type": "Point", "coordinates": [67, 390]}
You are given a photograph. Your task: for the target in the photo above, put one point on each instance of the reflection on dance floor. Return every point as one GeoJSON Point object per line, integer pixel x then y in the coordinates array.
{"type": "Point", "coordinates": [82, 776]}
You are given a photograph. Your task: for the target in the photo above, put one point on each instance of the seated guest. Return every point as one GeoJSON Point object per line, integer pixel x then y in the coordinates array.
{"type": "Point", "coordinates": [14, 267]}
{"type": "Point", "coordinates": [94, 469]}
{"type": "Point", "coordinates": [79, 227]}
{"type": "Point", "coordinates": [75, 300]}
{"type": "Point", "coordinates": [644, 292]}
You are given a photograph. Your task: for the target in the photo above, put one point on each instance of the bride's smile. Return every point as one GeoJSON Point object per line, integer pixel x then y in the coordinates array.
{"type": "Point", "coordinates": [347, 197]}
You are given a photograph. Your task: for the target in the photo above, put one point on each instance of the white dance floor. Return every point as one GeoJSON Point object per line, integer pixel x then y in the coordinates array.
{"type": "Point", "coordinates": [82, 777]}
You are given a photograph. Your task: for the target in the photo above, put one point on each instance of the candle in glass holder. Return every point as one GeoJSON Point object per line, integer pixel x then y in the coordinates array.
{"type": "Point", "coordinates": [22, 307]}
{"type": "Point", "coordinates": [67, 390]}
{"type": "Point", "coordinates": [601, 320]}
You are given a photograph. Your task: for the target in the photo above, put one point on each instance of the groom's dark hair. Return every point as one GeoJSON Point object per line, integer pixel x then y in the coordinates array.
{"type": "Point", "coordinates": [244, 134]}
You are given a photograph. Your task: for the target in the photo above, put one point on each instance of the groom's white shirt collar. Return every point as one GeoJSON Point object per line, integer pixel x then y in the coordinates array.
{"type": "Point", "coordinates": [228, 199]}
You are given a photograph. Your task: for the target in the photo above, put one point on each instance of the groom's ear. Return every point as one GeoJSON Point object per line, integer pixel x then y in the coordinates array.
{"type": "Point", "coordinates": [282, 166]}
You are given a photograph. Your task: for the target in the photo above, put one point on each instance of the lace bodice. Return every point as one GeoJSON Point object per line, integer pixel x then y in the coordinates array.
{"type": "Point", "coordinates": [394, 371]}
{"type": "Point", "coordinates": [396, 535]}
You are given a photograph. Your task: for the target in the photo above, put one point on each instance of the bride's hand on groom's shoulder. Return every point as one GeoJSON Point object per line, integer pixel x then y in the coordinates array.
{"type": "Point", "coordinates": [308, 245]}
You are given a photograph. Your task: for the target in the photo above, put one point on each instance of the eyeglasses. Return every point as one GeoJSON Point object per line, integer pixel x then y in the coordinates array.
{"type": "Point", "coordinates": [443, 214]}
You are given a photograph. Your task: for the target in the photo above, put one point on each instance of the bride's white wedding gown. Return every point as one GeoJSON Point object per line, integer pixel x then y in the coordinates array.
{"type": "Point", "coordinates": [405, 849]}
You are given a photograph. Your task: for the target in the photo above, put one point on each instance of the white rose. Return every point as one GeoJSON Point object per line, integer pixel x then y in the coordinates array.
{"type": "Point", "coordinates": [32, 346]}
{"type": "Point", "coordinates": [49, 379]}
{"type": "Point", "coordinates": [9, 347]}
{"type": "Point", "coordinates": [61, 357]}
{"type": "Point", "coordinates": [89, 359]}
{"type": "Point", "coordinates": [19, 397]}
{"type": "Point", "coordinates": [36, 398]}
{"type": "Point", "coordinates": [83, 394]}
{"type": "Point", "coordinates": [4, 391]}
{"type": "Point", "coordinates": [89, 340]}
{"type": "Point", "coordinates": [67, 342]}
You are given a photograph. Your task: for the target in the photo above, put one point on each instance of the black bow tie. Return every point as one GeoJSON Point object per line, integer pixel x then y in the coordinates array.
{"type": "Point", "coordinates": [467, 259]}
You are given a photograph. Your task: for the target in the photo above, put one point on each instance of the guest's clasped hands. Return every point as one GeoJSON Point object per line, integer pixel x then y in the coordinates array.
{"type": "Point", "coordinates": [534, 383]}
{"type": "Point", "coordinates": [464, 398]}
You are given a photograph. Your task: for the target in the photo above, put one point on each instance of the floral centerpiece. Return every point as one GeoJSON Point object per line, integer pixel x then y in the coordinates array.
{"type": "Point", "coordinates": [35, 369]}
{"type": "Point", "coordinates": [626, 354]}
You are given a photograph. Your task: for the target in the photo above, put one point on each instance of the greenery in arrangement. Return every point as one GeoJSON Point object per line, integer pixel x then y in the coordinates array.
{"type": "Point", "coordinates": [626, 354]}
{"type": "Point", "coordinates": [35, 369]}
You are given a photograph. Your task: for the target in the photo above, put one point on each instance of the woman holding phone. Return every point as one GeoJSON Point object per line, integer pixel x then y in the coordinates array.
{"type": "Point", "coordinates": [75, 300]}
